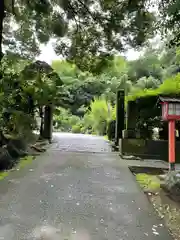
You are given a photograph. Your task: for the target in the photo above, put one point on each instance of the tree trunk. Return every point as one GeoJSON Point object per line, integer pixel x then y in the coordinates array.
{"type": "Point", "coordinates": [48, 122]}
{"type": "Point", "coordinates": [2, 15]}
{"type": "Point", "coordinates": [41, 129]}
{"type": "Point", "coordinates": [42, 122]}
{"type": "Point", "coordinates": [3, 140]}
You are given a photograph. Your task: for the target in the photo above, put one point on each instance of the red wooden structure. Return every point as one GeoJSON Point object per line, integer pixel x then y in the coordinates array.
{"type": "Point", "coordinates": [171, 113]}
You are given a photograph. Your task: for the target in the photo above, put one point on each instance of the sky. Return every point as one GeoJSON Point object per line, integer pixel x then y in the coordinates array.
{"type": "Point", "coordinates": [48, 54]}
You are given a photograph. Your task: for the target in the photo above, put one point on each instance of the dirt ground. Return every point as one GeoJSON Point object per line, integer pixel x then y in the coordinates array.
{"type": "Point", "coordinates": [169, 210]}
{"type": "Point", "coordinates": [166, 208]}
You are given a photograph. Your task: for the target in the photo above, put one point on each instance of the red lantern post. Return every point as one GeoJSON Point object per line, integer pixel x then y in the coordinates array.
{"type": "Point", "coordinates": [172, 145]}
{"type": "Point", "coordinates": [171, 113]}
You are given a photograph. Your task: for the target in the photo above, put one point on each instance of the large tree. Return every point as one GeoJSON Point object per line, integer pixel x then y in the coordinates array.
{"type": "Point", "coordinates": [43, 87]}
{"type": "Point", "coordinates": [147, 65]}
{"type": "Point", "coordinates": [86, 30]}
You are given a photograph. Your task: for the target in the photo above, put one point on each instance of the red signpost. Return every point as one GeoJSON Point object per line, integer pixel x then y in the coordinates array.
{"type": "Point", "coordinates": [171, 113]}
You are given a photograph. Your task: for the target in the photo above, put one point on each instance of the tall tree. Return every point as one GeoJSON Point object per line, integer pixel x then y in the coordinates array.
{"type": "Point", "coordinates": [43, 90]}
{"type": "Point", "coordinates": [146, 66]}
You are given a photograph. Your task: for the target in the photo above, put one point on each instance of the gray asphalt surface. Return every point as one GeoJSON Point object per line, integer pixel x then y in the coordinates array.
{"type": "Point", "coordinates": [78, 185]}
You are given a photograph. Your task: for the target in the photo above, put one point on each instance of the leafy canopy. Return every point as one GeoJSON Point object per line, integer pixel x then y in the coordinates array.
{"type": "Point", "coordinates": [87, 32]}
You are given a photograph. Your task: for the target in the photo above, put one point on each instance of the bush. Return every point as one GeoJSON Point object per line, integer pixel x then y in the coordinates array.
{"type": "Point", "coordinates": [170, 86]}
{"type": "Point", "coordinates": [64, 120]}
{"type": "Point", "coordinates": [97, 118]}
{"type": "Point", "coordinates": [76, 129]}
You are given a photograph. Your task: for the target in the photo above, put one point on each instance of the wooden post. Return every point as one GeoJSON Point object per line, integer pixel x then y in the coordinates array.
{"type": "Point", "coordinates": [172, 156]}
{"type": "Point", "coordinates": [119, 116]}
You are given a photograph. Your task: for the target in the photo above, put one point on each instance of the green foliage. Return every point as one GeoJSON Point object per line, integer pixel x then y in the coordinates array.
{"type": "Point", "coordinates": [15, 113]}
{"type": "Point", "coordinates": [85, 31]}
{"type": "Point", "coordinates": [147, 83]}
{"type": "Point", "coordinates": [43, 84]}
{"type": "Point", "coordinates": [76, 129]}
{"type": "Point", "coordinates": [85, 100]}
{"type": "Point", "coordinates": [97, 118]}
{"type": "Point", "coordinates": [149, 113]}
{"type": "Point", "coordinates": [170, 86]}
{"type": "Point", "coordinates": [64, 120]}
{"type": "Point", "coordinates": [24, 89]}
{"type": "Point", "coordinates": [83, 87]}
{"type": "Point", "coordinates": [66, 70]}
{"type": "Point", "coordinates": [169, 19]}
{"type": "Point", "coordinates": [147, 65]}
{"type": "Point", "coordinates": [89, 94]}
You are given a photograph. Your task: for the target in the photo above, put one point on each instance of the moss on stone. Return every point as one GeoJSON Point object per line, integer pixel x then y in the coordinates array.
{"type": "Point", "coordinates": [22, 163]}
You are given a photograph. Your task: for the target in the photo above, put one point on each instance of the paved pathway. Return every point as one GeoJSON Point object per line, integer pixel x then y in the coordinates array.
{"type": "Point", "coordinates": [78, 185]}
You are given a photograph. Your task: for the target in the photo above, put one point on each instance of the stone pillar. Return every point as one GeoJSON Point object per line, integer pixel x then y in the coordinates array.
{"type": "Point", "coordinates": [119, 115]}
{"type": "Point", "coordinates": [131, 118]}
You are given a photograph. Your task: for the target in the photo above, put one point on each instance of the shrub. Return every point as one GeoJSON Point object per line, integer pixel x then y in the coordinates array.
{"type": "Point", "coordinates": [97, 118]}
{"type": "Point", "coordinates": [76, 129]}
{"type": "Point", "coordinates": [64, 120]}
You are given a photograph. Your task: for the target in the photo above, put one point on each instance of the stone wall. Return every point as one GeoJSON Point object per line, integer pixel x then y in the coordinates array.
{"type": "Point", "coordinates": [149, 149]}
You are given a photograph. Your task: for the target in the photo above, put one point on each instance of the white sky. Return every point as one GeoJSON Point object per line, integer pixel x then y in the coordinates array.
{"type": "Point", "coordinates": [48, 54]}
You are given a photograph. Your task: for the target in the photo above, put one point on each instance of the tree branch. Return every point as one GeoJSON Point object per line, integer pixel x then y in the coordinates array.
{"type": "Point", "coordinates": [87, 9]}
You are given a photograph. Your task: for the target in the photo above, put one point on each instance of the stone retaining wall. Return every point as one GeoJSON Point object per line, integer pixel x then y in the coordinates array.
{"type": "Point", "coordinates": [149, 149]}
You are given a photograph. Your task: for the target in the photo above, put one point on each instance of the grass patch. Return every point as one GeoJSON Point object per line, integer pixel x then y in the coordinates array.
{"type": "Point", "coordinates": [25, 161]}
{"type": "Point", "coordinates": [22, 163]}
{"type": "Point", "coordinates": [3, 175]}
{"type": "Point", "coordinates": [105, 137]}
{"type": "Point", "coordinates": [148, 182]}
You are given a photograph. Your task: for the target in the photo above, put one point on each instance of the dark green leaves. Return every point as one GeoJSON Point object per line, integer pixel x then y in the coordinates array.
{"type": "Point", "coordinates": [59, 25]}
{"type": "Point", "coordinates": [87, 31]}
